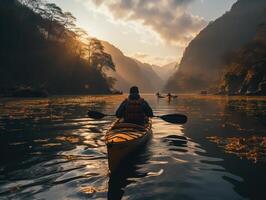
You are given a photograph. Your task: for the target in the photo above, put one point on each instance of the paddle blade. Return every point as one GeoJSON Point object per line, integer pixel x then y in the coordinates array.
{"type": "Point", "coordinates": [95, 114]}
{"type": "Point", "coordinates": [174, 118]}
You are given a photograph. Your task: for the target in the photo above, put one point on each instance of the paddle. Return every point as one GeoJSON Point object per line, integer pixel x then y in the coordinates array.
{"type": "Point", "coordinates": [171, 118]}
{"type": "Point", "coordinates": [97, 115]}
{"type": "Point", "coordinates": [174, 118]}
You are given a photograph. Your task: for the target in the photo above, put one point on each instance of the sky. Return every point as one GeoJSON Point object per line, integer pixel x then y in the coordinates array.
{"type": "Point", "coordinates": [152, 31]}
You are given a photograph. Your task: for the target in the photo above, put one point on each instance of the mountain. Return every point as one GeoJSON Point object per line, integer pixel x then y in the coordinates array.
{"type": "Point", "coordinates": [166, 71]}
{"type": "Point", "coordinates": [246, 69]}
{"type": "Point", "coordinates": [151, 75]}
{"type": "Point", "coordinates": [204, 60]}
{"type": "Point", "coordinates": [131, 72]}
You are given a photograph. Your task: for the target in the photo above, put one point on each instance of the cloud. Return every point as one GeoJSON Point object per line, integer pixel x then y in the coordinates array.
{"type": "Point", "coordinates": [170, 19]}
{"type": "Point", "coordinates": [97, 2]}
{"type": "Point", "coordinates": [140, 55]}
{"type": "Point", "coordinates": [155, 60]}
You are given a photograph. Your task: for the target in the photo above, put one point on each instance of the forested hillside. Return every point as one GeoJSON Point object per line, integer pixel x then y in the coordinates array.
{"type": "Point", "coordinates": [41, 47]}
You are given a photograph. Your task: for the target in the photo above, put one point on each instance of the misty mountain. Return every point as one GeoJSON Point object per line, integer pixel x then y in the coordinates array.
{"type": "Point", "coordinates": [131, 72]}
{"type": "Point", "coordinates": [166, 71]}
{"type": "Point", "coordinates": [204, 60]}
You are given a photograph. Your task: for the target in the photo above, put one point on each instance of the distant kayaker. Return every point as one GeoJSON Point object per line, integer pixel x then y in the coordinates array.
{"type": "Point", "coordinates": [159, 95]}
{"type": "Point", "coordinates": [134, 109]}
{"type": "Point", "coordinates": [169, 95]}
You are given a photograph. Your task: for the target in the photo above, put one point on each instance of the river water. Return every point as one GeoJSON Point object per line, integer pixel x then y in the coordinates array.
{"type": "Point", "coordinates": [50, 149]}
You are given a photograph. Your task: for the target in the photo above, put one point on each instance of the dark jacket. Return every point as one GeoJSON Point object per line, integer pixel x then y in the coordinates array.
{"type": "Point", "coordinates": [145, 106]}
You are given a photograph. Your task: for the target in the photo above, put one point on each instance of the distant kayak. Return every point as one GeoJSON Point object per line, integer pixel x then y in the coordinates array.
{"type": "Point", "coordinates": [173, 96]}
{"type": "Point", "coordinates": [117, 92]}
{"type": "Point", "coordinates": [160, 96]}
{"type": "Point", "coordinates": [122, 139]}
{"type": "Point", "coordinates": [167, 96]}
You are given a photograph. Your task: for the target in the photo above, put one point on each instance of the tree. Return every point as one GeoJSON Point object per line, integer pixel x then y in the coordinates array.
{"type": "Point", "coordinates": [79, 42]}
{"type": "Point", "coordinates": [97, 57]}
{"type": "Point", "coordinates": [34, 5]}
{"type": "Point", "coordinates": [53, 14]}
{"type": "Point", "coordinates": [94, 46]}
{"type": "Point", "coordinates": [68, 22]}
{"type": "Point", "coordinates": [110, 81]}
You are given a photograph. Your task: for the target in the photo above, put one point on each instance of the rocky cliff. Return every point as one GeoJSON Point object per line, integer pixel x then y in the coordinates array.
{"type": "Point", "coordinates": [204, 60]}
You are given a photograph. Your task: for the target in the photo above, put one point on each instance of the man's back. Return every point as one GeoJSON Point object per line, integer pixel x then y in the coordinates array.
{"type": "Point", "coordinates": [134, 109]}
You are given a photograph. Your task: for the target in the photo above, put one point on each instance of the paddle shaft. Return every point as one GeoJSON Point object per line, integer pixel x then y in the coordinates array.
{"type": "Point", "coordinates": [171, 118]}
{"type": "Point", "coordinates": [157, 116]}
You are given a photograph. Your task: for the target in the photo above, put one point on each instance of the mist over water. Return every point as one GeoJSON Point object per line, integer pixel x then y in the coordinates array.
{"type": "Point", "coordinates": [51, 150]}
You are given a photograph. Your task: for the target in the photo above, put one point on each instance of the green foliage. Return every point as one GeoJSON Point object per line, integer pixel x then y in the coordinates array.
{"type": "Point", "coordinates": [42, 47]}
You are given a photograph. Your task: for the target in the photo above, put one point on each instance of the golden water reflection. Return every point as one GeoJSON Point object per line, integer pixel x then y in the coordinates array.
{"type": "Point", "coordinates": [252, 148]}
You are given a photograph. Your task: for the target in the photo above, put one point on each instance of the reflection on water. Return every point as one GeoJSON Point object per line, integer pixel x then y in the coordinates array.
{"type": "Point", "coordinates": [252, 148]}
{"type": "Point", "coordinates": [51, 150]}
{"type": "Point", "coordinates": [127, 174]}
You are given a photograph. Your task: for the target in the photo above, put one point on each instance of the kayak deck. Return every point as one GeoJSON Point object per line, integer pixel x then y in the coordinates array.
{"type": "Point", "coordinates": [124, 138]}
{"type": "Point", "coordinates": [124, 132]}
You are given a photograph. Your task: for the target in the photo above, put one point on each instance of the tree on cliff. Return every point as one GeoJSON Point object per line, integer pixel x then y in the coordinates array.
{"type": "Point", "coordinates": [97, 57]}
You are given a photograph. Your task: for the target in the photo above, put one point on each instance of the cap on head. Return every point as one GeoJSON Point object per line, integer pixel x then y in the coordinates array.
{"type": "Point", "coordinates": [134, 90]}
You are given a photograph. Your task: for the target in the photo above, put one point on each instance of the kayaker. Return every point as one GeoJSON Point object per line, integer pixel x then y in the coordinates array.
{"type": "Point", "coordinates": [134, 109]}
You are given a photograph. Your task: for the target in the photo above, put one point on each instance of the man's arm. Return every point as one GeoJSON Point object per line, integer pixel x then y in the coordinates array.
{"type": "Point", "coordinates": [147, 109]}
{"type": "Point", "coordinates": [121, 110]}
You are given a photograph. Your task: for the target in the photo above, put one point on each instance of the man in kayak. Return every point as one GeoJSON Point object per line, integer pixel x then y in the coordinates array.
{"type": "Point", "coordinates": [134, 109]}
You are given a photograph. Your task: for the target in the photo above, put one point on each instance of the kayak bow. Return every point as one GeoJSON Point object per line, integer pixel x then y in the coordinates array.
{"type": "Point", "coordinates": [122, 139]}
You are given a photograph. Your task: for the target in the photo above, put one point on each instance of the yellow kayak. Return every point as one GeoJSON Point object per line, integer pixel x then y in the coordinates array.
{"type": "Point", "coordinates": [122, 139]}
